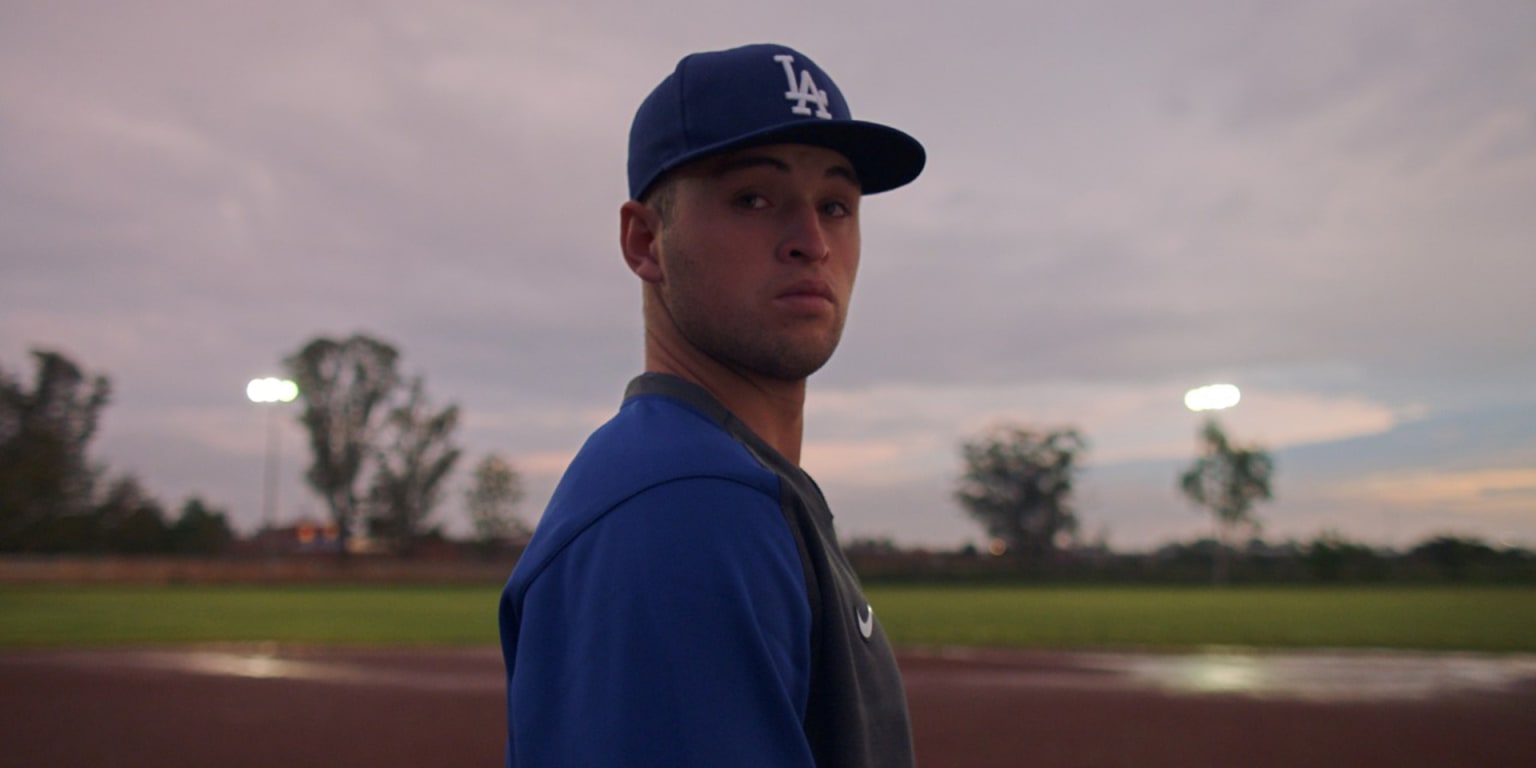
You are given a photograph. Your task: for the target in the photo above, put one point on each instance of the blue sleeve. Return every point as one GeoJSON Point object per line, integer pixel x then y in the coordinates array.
{"type": "Point", "coordinates": [673, 632]}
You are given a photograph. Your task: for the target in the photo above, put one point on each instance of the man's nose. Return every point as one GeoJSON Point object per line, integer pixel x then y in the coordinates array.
{"type": "Point", "coordinates": [806, 238]}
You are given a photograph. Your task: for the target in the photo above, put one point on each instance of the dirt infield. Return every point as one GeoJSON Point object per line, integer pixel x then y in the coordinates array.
{"type": "Point", "coordinates": [292, 708]}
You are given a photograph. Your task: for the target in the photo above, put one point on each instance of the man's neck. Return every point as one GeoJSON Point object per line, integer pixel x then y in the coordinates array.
{"type": "Point", "coordinates": [774, 410]}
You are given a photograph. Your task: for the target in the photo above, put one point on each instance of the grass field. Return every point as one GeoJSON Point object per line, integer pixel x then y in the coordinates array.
{"type": "Point", "coordinates": [1470, 619]}
{"type": "Point", "coordinates": [1465, 619]}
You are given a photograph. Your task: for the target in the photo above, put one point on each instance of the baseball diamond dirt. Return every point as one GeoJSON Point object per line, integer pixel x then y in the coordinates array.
{"type": "Point", "coordinates": [249, 706]}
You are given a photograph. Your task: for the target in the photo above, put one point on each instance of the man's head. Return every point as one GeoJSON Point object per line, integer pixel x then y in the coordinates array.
{"type": "Point", "coordinates": [717, 101]}
{"type": "Point", "coordinates": [746, 172]}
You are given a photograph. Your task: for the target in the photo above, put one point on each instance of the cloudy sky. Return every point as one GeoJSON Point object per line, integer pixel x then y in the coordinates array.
{"type": "Point", "coordinates": [1331, 204]}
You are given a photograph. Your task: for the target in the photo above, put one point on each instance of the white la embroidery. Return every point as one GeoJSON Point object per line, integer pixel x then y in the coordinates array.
{"type": "Point", "coordinates": [803, 91]}
{"type": "Point", "coordinates": [866, 621]}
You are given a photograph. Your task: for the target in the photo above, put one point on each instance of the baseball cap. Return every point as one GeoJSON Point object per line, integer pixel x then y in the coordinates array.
{"type": "Point", "coordinates": [753, 95]}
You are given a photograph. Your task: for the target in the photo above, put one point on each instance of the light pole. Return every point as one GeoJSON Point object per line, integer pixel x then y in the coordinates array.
{"type": "Point", "coordinates": [270, 391]}
{"type": "Point", "coordinates": [1212, 397]}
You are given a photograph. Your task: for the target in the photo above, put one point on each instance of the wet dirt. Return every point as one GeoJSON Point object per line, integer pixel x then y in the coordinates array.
{"type": "Point", "coordinates": [238, 706]}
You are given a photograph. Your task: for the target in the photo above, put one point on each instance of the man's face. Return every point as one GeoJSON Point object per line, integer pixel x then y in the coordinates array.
{"type": "Point", "coordinates": [759, 255]}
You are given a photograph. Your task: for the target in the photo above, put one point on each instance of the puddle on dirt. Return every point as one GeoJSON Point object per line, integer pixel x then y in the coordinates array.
{"type": "Point", "coordinates": [1332, 676]}
{"type": "Point", "coordinates": [263, 662]}
{"type": "Point", "coordinates": [252, 665]}
{"type": "Point", "coordinates": [1314, 676]}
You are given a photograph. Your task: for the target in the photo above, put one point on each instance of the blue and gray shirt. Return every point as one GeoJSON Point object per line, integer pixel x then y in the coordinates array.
{"type": "Point", "coordinates": [684, 602]}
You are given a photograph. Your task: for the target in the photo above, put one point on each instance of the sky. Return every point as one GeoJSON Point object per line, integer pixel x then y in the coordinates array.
{"type": "Point", "coordinates": [1330, 204]}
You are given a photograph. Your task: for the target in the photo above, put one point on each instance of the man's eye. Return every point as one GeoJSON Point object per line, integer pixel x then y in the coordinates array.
{"type": "Point", "coordinates": [751, 200]}
{"type": "Point", "coordinates": [836, 209]}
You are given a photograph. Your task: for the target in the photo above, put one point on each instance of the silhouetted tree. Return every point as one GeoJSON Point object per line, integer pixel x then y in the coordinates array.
{"type": "Point", "coordinates": [45, 476]}
{"type": "Point", "coordinates": [1018, 484]}
{"type": "Point", "coordinates": [131, 520]}
{"type": "Point", "coordinates": [492, 502]}
{"type": "Point", "coordinates": [417, 456]}
{"type": "Point", "coordinates": [1331, 557]}
{"type": "Point", "coordinates": [200, 530]}
{"type": "Point", "coordinates": [1228, 480]}
{"type": "Point", "coordinates": [1455, 557]}
{"type": "Point", "coordinates": [343, 384]}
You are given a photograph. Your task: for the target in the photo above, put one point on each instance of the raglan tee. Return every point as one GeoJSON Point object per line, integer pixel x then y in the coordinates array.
{"type": "Point", "coordinates": [684, 603]}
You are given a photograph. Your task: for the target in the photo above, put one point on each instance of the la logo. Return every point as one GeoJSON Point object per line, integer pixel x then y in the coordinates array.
{"type": "Point", "coordinates": [803, 91]}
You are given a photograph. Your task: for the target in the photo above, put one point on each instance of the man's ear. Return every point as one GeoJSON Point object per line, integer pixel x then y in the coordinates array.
{"type": "Point", "coordinates": [640, 240]}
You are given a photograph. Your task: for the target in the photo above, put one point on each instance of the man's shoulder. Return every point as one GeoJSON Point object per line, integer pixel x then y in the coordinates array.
{"type": "Point", "coordinates": [654, 442]}
{"type": "Point", "coordinates": [655, 439]}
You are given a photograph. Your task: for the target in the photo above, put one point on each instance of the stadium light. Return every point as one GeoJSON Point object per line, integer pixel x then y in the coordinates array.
{"type": "Point", "coordinates": [270, 391]}
{"type": "Point", "coordinates": [1212, 397]}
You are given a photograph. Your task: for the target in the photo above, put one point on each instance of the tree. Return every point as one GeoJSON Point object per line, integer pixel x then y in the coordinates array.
{"type": "Point", "coordinates": [45, 476]}
{"type": "Point", "coordinates": [343, 384]}
{"type": "Point", "coordinates": [418, 456]}
{"type": "Point", "coordinates": [1228, 480]}
{"type": "Point", "coordinates": [1332, 557]}
{"type": "Point", "coordinates": [1455, 557]}
{"type": "Point", "coordinates": [1018, 484]}
{"type": "Point", "coordinates": [492, 499]}
{"type": "Point", "coordinates": [130, 520]}
{"type": "Point", "coordinates": [201, 530]}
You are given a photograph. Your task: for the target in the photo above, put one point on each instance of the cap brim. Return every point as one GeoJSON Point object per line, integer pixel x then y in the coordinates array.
{"type": "Point", "coordinates": [884, 158]}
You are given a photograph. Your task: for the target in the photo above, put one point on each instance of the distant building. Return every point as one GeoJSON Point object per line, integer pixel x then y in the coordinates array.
{"type": "Point", "coordinates": [305, 537]}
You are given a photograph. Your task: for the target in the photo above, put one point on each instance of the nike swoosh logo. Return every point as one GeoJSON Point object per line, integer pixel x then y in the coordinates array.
{"type": "Point", "coordinates": [866, 618]}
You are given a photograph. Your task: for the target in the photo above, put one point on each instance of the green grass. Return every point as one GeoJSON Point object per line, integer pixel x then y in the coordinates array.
{"type": "Point", "coordinates": [96, 616]}
{"type": "Point", "coordinates": [1468, 619]}
{"type": "Point", "coordinates": [1473, 619]}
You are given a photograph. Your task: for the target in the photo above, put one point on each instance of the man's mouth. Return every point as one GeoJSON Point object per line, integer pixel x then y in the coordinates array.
{"type": "Point", "coordinates": [809, 291]}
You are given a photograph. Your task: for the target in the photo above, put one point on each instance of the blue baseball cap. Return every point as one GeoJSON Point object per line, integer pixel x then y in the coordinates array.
{"type": "Point", "coordinates": [754, 95]}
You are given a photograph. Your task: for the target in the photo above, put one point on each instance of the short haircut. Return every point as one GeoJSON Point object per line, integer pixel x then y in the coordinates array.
{"type": "Point", "coordinates": [660, 198]}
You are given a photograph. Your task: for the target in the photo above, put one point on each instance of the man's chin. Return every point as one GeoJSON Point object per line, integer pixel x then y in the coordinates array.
{"type": "Point", "coordinates": [794, 367]}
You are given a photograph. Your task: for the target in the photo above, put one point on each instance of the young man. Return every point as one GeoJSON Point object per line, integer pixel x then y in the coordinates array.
{"type": "Point", "coordinates": [684, 601]}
